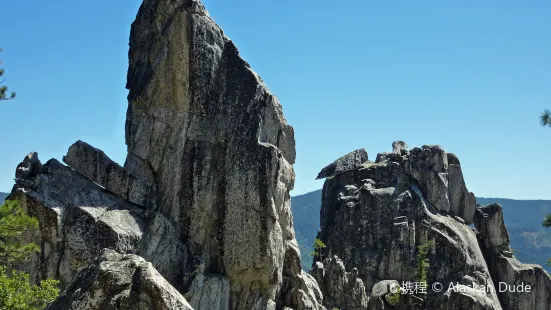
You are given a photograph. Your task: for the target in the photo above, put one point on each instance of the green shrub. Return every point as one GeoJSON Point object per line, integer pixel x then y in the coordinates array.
{"type": "Point", "coordinates": [17, 293]}
{"type": "Point", "coordinates": [318, 245]}
{"type": "Point", "coordinates": [394, 299]}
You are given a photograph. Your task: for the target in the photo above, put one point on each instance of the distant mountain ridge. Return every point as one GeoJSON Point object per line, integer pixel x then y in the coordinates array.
{"type": "Point", "coordinates": [3, 196]}
{"type": "Point", "coordinates": [530, 241]}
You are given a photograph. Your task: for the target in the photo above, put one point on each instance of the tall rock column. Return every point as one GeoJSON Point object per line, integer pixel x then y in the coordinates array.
{"type": "Point", "coordinates": [204, 129]}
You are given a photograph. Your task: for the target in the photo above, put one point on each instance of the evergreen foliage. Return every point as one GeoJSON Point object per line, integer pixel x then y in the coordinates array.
{"type": "Point", "coordinates": [422, 260]}
{"type": "Point", "coordinates": [318, 245]}
{"type": "Point", "coordinates": [16, 290]}
{"type": "Point", "coordinates": [3, 88]}
{"type": "Point", "coordinates": [13, 224]}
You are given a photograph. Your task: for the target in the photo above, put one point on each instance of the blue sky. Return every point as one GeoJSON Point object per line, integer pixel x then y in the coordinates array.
{"type": "Point", "coordinates": [472, 76]}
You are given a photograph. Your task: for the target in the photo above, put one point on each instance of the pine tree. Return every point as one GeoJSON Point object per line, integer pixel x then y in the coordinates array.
{"type": "Point", "coordinates": [4, 88]}
{"type": "Point", "coordinates": [318, 245]}
{"type": "Point", "coordinates": [16, 290]}
{"type": "Point", "coordinates": [13, 224]}
{"type": "Point", "coordinates": [545, 120]}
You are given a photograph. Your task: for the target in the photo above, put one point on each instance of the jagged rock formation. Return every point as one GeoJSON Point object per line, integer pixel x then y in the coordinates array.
{"type": "Point", "coordinates": [204, 192]}
{"type": "Point", "coordinates": [375, 217]}
{"type": "Point", "coordinates": [203, 128]}
{"type": "Point", "coordinates": [520, 286]}
{"type": "Point", "coordinates": [122, 282]}
{"type": "Point", "coordinates": [346, 289]}
{"type": "Point", "coordinates": [350, 161]}
{"type": "Point", "coordinates": [78, 219]}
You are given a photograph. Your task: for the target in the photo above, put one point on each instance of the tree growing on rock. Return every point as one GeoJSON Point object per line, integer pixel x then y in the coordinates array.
{"type": "Point", "coordinates": [13, 224]}
{"type": "Point", "coordinates": [16, 290]}
{"type": "Point", "coordinates": [545, 120]}
{"type": "Point", "coordinates": [318, 245]}
{"type": "Point", "coordinates": [3, 88]}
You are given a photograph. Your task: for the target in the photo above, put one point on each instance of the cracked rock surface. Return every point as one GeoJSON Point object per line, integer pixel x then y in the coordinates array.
{"type": "Point", "coordinates": [204, 192]}
{"type": "Point", "coordinates": [375, 217]}
{"type": "Point", "coordinates": [120, 282]}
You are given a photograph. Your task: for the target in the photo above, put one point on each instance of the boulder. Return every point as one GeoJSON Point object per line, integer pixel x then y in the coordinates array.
{"type": "Point", "coordinates": [400, 147]}
{"type": "Point", "coordinates": [95, 165]}
{"type": "Point", "coordinates": [348, 162]}
{"type": "Point", "coordinates": [122, 282]}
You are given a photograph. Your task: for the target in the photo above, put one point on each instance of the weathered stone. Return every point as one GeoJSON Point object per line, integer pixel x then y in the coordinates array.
{"type": "Point", "coordinates": [507, 272]}
{"type": "Point", "coordinates": [376, 228]}
{"type": "Point", "coordinates": [348, 162]}
{"type": "Point", "coordinates": [428, 166]}
{"type": "Point", "coordinates": [77, 219]}
{"type": "Point", "coordinates": [384, 287]}
{"type": "Point", "coordinates": [462, 202]}
{"type": "Point", "coordinates": [341, 289]}
{"type": "Point", "coordinates": [122, 282]}
{"type": "Point", "coordinates": [204, 129]}
{"type": "Point", "coordinates": [98, 167]}
{"type": "Point", "coordinates": [210, 292]}
{"type": "Point", "coordinates": [400, 147]}
{"type": "Point", "coordinates": [27, 170]}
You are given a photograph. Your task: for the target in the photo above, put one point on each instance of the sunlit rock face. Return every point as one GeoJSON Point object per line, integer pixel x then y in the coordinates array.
{"type": "Point", "coordinates": [204, 129]}
{"type": "Point", "coordinates": [124, 282]}
{"type": "Point", "coordinates": [519, 286]}
{"type": "Point", "coordinates": [204, 192]}
{"type": "Point", "coordinates": [375, 217]}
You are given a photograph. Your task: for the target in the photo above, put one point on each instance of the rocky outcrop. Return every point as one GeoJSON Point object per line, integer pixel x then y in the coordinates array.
{"type": "Point", "coordinates": [78, 218]}
{"type": "Point", "coordinates": [342, 289]}
{"type": "Point", "coordinates": [350, 161]}
{"type": "Point", "coordinates": [204, 192]}
{"type": "Point", "coordinates": [519, 286]}
{"type": "Point", "coordinates": [122, 282]}
{"type": "Point", "coordinates": [204, 129]}
{"type": "Point", "coordinates": [375, 218]}
{"type": "Point", "coordinates": [95, 165]}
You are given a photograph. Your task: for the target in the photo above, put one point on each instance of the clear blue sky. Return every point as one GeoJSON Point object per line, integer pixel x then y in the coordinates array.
{"type": "Point", "coordinates": [472, 76]}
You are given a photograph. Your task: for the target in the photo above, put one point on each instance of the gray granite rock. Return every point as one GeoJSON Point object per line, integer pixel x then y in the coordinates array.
{"type": "Point", "coordinates": [462, 202]}
{"type": "Point", "coordinates": [205, 185]}
{"type": "Point", "coordinates": [400, 147]}
{"type": "Point", "coordinates": [204, 129]}
{"type": "Point", "coordinates": [98, 167]}
{"type": "Point", "coordinates": [374, 218]}
{"type": "Point", "coordinates": [342, 289]}
{"type": "Point", "coordinates": [121, 282]}
{"type": "Point", "coordinates": [508, 274]}
{"type": "Point", "coordinates": [210, 292]}
{"type": "Point", "coordinates": [78, 218]}
{"type": "Point", "coordinates": [348, 162]}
